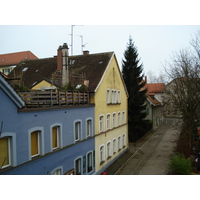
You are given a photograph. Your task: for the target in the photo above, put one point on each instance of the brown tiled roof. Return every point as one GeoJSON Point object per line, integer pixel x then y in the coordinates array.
{"type": "Point", "coordinates": [153, 100]}
{"type": "Point", "coordinates": [15, 58]}
{"type": "Point", "coordinates": [91, 67]}
{"type": "Point", "coordinates": [155, 87]}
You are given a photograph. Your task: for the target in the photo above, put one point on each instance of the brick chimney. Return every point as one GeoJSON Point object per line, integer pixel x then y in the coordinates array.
{"type": "Point", "coordinates": [86, 52]}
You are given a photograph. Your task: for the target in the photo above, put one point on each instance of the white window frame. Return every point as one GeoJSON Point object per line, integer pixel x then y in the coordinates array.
{"type": "Point", "coordinates": [108, 149]}
{"type": "Point", "coordinates": [108, 121]}
{"type": "Point", "coordinates": [59, 136]}
{"type": "Point", "coordinates": [114, 146]}
{"type": "Point", "coordinates": [79, 130]}
{"type": "Point", "coordinates": [40, 131]}
{"type": "Point", "coordinates": [101, 123]}
{"type": "Point", "coordinates": [108, 96]}
{"type": "Point", "coordinates": [118, 96]}
{"type": "Point", "coordinates": [9, 154]}
{"type": "Point", "coordinates": [101, 154]}
{"type": "Point", "coordinates": [119, 143]}
{"type": "Point", "coordinates": [56, 170]}
{"type": "Point", "coordinates": [91, 160]}
{"type": "Point", "coordinates": [81, 164]}
{"type": "Point", "coordinates": [124, 140]}
{"type": "Point", "coordinates": [89, 132]}
{"type": "Point", "coordinates": [114, 119]}
{"type": "Point", "coordinates": [12, 148]}
{"type": "Point", "coordinates": [119, 118]}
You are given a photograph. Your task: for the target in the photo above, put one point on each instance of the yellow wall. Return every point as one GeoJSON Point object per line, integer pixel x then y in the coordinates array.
{"type": "Point", "coordinates": [111, 80]}
{"type": "Point", "coordinates": [43, 85]}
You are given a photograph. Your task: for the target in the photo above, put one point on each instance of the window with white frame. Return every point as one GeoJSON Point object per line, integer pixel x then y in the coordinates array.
{"type": "Point", "coordinates": [55, 137]}
{"type": "Point", "coordinates": [124, 140]}
{"type": "Point", "coordinates": [77, 130]}
{"type": "Point", "coordinates": [35, 143]}
{"type": "Point", "coordinates": [89, 162]}
{"type": "Point", "coordinates": [78, 168]}
{"type": "Point", "coordinates": [108, 150]}
{"type": "Point", "coordinates": [101, 123]}
{"type": "Point", "coordinates": [108, 122]}
{"type": "Point", "coordinates": [101, 152]}
{"type": "Point", "coordinates": [5, 159]}
{"type": "Point", "coordinates": [123, 117]}
{"type": "Point", "coordinates": [57, 171]}
{"type": "Point", "coordinates": [114, 146]}
{"type": "Point", "coordinates": [108, 96]}
{"type": "Point", "coordinates": [119, 118]}
{"type": "Point", "coordinates": [89, 128]}
{"type": "Point", "coordinates": [114, 120]}
{"type": "Point", "coordinates": [119, 143]}
{"type": "Point", "coordinates": [118, 96]}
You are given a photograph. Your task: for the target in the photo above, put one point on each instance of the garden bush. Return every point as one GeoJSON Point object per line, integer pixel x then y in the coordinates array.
{"type": "Point", "coordinates": [179, 165]}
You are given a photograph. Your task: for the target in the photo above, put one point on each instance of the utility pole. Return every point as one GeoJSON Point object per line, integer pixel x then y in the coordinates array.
{"type": "Point", "coordinates": [72, 35]}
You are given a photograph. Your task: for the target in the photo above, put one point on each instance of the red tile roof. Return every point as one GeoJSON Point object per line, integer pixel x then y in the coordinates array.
{"type": "Point", "coordinates": [155, 87]}
{"type": "Point", "coordinates": [15, 58]}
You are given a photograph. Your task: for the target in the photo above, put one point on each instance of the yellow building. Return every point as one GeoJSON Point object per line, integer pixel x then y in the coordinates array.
{"type": "Point", "coordinates": [111, 122]}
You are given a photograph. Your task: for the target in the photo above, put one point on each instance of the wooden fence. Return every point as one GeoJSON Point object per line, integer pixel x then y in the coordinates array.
{"type": "Point", "coordinates": [54, 98]}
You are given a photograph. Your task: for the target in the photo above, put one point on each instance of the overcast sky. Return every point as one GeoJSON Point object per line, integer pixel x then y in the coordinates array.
{"type": "Point", "coordinates": [155, 43]}
{"type": "Point", "coordinates": [157, 29]}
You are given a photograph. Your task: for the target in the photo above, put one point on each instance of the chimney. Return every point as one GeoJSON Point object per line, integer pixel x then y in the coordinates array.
{"type": "Point", "coordinates": [62, 63]}
{"type": "Point", "coordinates": [86, 52]}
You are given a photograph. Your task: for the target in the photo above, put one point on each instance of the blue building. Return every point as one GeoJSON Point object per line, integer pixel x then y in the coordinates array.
{"type": "Point", "coordinates": [44, 140]}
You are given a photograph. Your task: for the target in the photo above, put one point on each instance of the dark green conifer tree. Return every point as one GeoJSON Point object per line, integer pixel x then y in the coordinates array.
{"type": "Point", "coordinates": [134, 80]}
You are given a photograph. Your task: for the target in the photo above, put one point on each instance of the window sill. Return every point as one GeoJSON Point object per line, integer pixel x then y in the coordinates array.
{"type": "Point", "coordinates": [108, 157]}
{"type": "Point", "coordinates": [113, 103]}
{"type": "Point", "coordinates": [101, 162]}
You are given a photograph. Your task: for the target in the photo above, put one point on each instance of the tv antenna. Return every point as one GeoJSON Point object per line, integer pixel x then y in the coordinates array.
{"type": "Point", "coordinates": [82, 45]}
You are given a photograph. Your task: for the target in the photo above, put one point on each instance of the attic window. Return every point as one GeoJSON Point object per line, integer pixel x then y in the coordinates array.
{"type": "Point", "coordinates": [25, 69]}
{"type": "Point", "coordinates": [26, 58]}
{"type": "Point", "coordinates": [34, 83]}
{"type": "Point", "coordinates": [3, 60]}
{"type": "Point", "coordinates": [72, 62]}
{"type": "Point", "coordinates": [36, 70]}
{"type": "Point", "coordinates": [100, 62]}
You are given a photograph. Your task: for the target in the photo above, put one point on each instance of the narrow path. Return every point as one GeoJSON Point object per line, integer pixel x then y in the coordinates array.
{"type": "Point", "coordinates": [153, 156]}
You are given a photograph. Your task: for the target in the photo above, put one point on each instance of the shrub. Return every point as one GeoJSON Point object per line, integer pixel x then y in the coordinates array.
{"type": "Point", "coordinates": [179, 165]}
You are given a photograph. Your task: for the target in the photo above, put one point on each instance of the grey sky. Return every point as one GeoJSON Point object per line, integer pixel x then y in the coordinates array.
{"type": "Point", "coordinates": [155, 43]}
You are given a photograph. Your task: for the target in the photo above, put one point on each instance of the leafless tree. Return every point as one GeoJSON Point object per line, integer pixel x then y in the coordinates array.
{"type": "Point", "coordinates": [183, 92]}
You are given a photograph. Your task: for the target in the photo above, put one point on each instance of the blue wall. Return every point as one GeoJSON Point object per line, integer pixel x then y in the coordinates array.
{"type": "Point", "coordinates": [21, 123]}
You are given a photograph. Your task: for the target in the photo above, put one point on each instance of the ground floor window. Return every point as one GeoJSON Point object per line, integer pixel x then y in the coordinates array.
{"type": "Point", "coordinates": [78, 167]}
{"type": "Point", "coordinates": [35, 143]}
{"type": "Point", "coordinates": [4, 152]}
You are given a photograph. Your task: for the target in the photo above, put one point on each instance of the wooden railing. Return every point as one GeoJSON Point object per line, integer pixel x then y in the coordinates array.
{"type": "Point", "coordinates": [54, 98]}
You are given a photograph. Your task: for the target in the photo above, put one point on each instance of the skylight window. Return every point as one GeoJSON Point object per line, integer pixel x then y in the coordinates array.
{"type": "Point", "coordinates": [25, 69]}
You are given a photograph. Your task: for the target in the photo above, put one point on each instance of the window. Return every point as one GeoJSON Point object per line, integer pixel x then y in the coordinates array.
{"type": "Point", "coordinates": [89, 162]}
{"type": "Point", "coordinates": [57, 172]}
{"type": "Point", "coordinates": [89, 128]}
{"type": "Point", "coordinates": [114, 146]}
{"type": "Point", "coordinates": [118, 97]}
{"type": "Point", "coordinates": [101, 123]}
{"type": "Point", "coordinates": [108, 96]}
{"type": "Point", "coordinates": [101, 154]}
{"type": "Point", "coordinates": [78, 166]}
{"type": "Point", "coordinates": [114, 120]}
{"type": "Point", "coordinates": [77, 131]}
{"type": "Point", "coordinates": [124, 140]}
{"type": "Point", "coordinates": [119, 143]}
{"type": "Point", "coordinates": [35, 143]}
{"type": "Point", "coordinates": [119, 118]}
{"type": "Point", "coordinates": [4, 152]}
{"type": "Point", "coordinates": [108, 122]}
{"type": "Point", "coordinates": [55, 137]}
{"type": "Point", "coordinates": [123, 117]}
{"type": "Point", "coordinates": [108, 150]}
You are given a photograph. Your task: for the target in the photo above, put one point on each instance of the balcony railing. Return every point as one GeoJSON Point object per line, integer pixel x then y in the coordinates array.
{"type": "Point", "coordinates": [54, 98]}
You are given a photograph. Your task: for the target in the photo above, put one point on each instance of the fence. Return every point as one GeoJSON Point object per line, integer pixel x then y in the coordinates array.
{"type": "Point", "coordinates": [54, 98]}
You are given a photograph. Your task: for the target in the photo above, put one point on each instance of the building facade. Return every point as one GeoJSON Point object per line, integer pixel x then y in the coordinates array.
{"type": "Point", "coordinates": [40, 141]}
